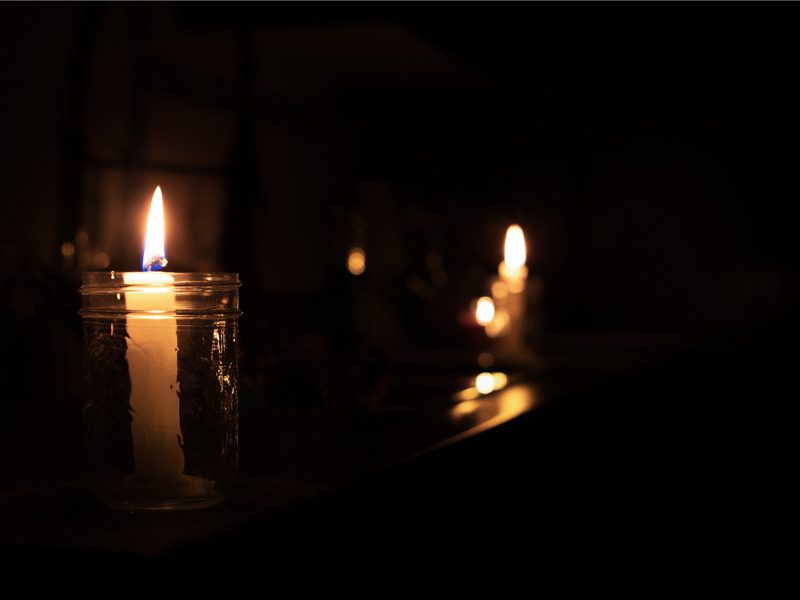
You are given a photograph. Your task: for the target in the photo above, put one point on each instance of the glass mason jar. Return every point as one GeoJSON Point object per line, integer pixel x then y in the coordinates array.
{"type": "Point", "coordinates": [160, 387]}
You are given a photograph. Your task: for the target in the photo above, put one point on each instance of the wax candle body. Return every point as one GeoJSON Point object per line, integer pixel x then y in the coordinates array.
{"type": "Point", "coordinates": [152, 357]}
{"type": "Point", "coordinates": [512, 343]}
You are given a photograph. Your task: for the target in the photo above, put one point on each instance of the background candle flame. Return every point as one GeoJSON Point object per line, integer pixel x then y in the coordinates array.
{"type": "Point", "coordinates": [484, 310]}
{"type": "Point", "coordinates": [515, 254]}
{"type": "Point", "coordinates": [154, 257]}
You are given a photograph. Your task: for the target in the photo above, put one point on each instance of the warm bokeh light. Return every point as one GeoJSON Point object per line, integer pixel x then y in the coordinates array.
{"type": "Point", "coordinates": [499, 290]}
{"type": "Point", "coordinates": [356, 261]}
{"type": "Point", "coordinates": [484, 383]}
{"type": "Point", "coordinates": [67, 249]}
{"type": "Point", "coordinates": [501, 408]}
{"type": "Point", "coordinates": [515, 401]}
{"type": "Point", "coordinates": [506, 403]}
{"type": "Point", "coordinates": [464, 408]}
{"type": "Point", "coordinates": [101, 260]}
{"type": "Point", "coordinates": [515, 286]}
{"type": "Point", "coordinates": [154, 256]}
{"type": "Point", "coordinates": [484, 310]}
{"type": "Point", "coordinates": [515, 254]}
{"type": "Point", "coordinates": [469, 393]}
{"type": "Point", "coordinates": [499, 325]}
{"type": "Point", "coordinates": [500, 380]}
{"type": "Point", "coordinates": [513, 271]}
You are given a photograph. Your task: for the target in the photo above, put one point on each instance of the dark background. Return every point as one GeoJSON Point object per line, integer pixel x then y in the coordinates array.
{"type": "Point", "coordinates": [653, 165]}
{"type": "Point", "coordinates": [650, 153]}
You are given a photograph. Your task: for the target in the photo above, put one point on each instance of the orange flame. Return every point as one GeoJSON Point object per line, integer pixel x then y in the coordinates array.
{"type": "Point", "coordinates": [154, 257]}
{"type": "Point", "coordinates": [484, 310]}
{"type": "Point", "coordinates": [515, 253]}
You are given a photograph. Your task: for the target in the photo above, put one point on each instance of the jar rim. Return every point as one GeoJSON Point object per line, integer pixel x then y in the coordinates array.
{"type": "Point", "coordinates": [98, 281]}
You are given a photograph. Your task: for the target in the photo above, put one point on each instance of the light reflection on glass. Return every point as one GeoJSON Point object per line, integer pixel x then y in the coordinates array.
{"type": "Point", "coordinates": [492, 411]}
{"type": "Point", "coordinates": [485, 383]}
{"type": "Point", "coordinates": [514, 402]}
{"type": "Point", "coordinates": [464, 408]}
{"type": "Point", "coordinates": [467, 394]}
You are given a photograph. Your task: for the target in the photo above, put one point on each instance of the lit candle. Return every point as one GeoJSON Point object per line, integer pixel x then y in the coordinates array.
{"type": "Point", "coordinates": [152, 357]}
{"type": "Point", "coordinates": [509, 293]}
{"type": "Point", "coordinates": [484, 310]}
{"type": "Point", "coordinates": [513, 271]}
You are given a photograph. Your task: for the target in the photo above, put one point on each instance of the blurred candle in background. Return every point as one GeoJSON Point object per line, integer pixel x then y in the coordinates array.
{"type": "Point", "coordinates": [509, 295]}
{"type": "Point", "coordinates": [484, 310]}
{"type": "Point", "coordinates": [513, 271]}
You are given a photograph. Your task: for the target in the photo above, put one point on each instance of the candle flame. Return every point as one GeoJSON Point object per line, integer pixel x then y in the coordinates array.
{"type": "Point", "coordinates": [515, 254]}
{"type": "Point", "coordinates": [154, 257]}
{"type": "Point", "coordinates": [484, 310]}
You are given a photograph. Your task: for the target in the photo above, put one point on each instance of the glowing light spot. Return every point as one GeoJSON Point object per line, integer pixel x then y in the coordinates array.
{"type": "Point", "coordinates": [513, 271]}
{"type": "Point", "coordinates": [101, 260]}
{"type": "Point", "coordinates": [499, 290]}
{"type": "Point", "coordinates": [356, 261]}
{"type": "Point", "coordinates": [468, 394]}
{"type": "Point", "coordinates": [464, 408]}
{"type": "Point", "coordinates": [484, 383]}
{"type": "Point", "coordinates": [67, 249]}
{"type": "Point", "coordinates": [484, 311]}
{"type": "Point", "coordinates": [500, 380]}
{"type": "Point", "coordinates": [515, 252]}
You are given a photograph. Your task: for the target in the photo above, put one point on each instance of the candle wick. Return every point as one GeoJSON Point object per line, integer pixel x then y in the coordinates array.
{"type": "Point", "coordinates": [155, 263]}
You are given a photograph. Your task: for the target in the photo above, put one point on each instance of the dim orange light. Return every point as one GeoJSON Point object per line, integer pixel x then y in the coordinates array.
{"type": "Point", "coordinates": [356, 261]}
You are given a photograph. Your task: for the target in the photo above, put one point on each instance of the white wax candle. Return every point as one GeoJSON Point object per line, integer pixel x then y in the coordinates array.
{"type": "Point", "coordinates": [153, 367]}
